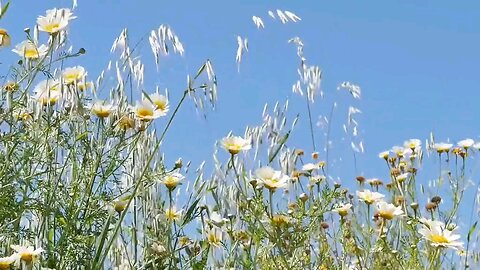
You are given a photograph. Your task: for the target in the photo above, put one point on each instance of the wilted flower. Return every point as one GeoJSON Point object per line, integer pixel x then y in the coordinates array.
{"type": "Point", "coordinates": [55, 20]}
{"type": "Point", "coordinates": [270, 178]}
{"type": "Point", "coordinates": [11, 86]}
{"type": "Point", "coordinates": [438, 236]}
{"type": "Point", "coordinates": [172, 180]}
{"type": "Point", "coordinates": [74, 74]}
{"type": "Point", "coordinates": [4, 38]}
{"type": "Point", "coordinates": [120, 205]}
{"type": "Point", "coordinates": [126, 122]}
{"type": "Point", "coordinates": [30, 50]}
{"type": "Point", "coordinates": [369, 197]}
{"type": "Point", "coordinates": [235, 144]}
{"type": "Point", "coordinates": [146, 111]}
{"type": "Point", "coordinates": [343, 210]}
{"type": "Point", "coordinates": [27, 254]}
{"type": "Point", "coordinates": [102, 110]}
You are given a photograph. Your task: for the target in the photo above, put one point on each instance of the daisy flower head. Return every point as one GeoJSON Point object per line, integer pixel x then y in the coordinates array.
{"type": "Point", "coordinates": [308, 167]}
{"type": "Point", "coordinates": [235, 144]}
{"type": "Point", "coordinates": [30, 50]}
{"type": "Point", "coordinates": [102, 110]}
{"type": "Point", "coordinates": [384, 155]}
{"type": "Point", "coordinates": [4, 38]}
{"type": "Point", "coordinates": [217, 220]}
{"type": "Point", "coordinates": [160, 102]}
{"type": "Point", "coordinates": [144, 110]}
{"type": "Point", "coordinates": [388, 211]}
{"type": "Point", "coordinates": [270, 178]}
{"type": "Point", "coordinates": [172, 180]}
{"type": "Point", "coordinates": [442, 147]}
{"type": "Point", "coordinates": [439, 236]}
{"type": "Point", "coordinates": [467, 143]}
{"type": "Point", "coordinates": [74, 74]}
{"type": "Point", "coordinates": [6, 262]}
{"type": "Point", "coordinates": [412, 144]}
{"type": "Point", "coordinates": [27, 254]}
{"type": "Point", "coordinates": [47, 92]}
{"type": "Point", "coordinates": [369, 197]}
{"type": "Point", "coordinates": [214, 237]}
{"type": "Point", "coordinates": [172, 214]}
{"type": "Point", "coordinates": [55, 20]}
{"type": "Point", "coordinates": [343, 210]}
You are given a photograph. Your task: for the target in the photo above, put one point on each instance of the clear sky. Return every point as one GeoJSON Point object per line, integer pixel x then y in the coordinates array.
{"type": "Point", "coordinates": [416, 62]}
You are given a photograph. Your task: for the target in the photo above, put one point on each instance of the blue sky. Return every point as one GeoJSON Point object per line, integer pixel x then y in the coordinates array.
{"type": "Point", "coordinates": [416, 61]}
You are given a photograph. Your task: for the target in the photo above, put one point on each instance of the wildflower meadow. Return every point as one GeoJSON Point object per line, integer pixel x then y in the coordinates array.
{"type": "Point", "coordinates": [87, 181]}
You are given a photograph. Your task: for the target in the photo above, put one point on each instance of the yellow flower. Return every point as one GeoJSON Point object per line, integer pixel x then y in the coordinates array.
{"type": "Point", "coordinates": [30, 50]}
{"type": "Point", "coordinates": [235, 144]}
{"type": "Point", "coordinates": [55, 20]}
{"type": "Point", "coordinates": [4, 38]}
{"type": "Point", "coordinates": [172, 214]}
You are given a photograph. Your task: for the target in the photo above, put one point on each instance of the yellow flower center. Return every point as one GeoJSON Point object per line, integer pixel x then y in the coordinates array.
{"type": "Point", "coordinates": [52, 27]}
{"type": "Point", "coordinates": [171, 214]}
{"type": "Point", "coordinates": [386, 215]}
{"type": "Point", "coordinates": [26, 257]}
{"type": "Point", "coordinates": [160, 105]}
{"type": "Point", "coordinates": [170, 182]}
{"type": "Point", "coordinates": [126, 123]}
{"type": "Point", "coordinates": [48, 101]}
{"type": "Point", "coordinates": [101, 112]}
{"type": "Point", "coordinates": [31, 53]}
{"type": "Point", "coordinates": [213, 239]}
{"type": "Point", "coordinates": [342, 212]}
{"type": "Point", "coordinates": [5, 265]}
{"type": "Point", "coordinates": [437, 238]}
{"type": "Point", "coordinates": [144, 112]}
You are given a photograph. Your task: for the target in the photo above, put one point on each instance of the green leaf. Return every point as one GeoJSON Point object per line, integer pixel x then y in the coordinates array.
{"type": "Point", "coordinates": [472, 229]}
{"type": "Point", "coordinates": [4, 10]}
{"type": "Point", "coordinates": [275, 153]}
{"type": "Point", "coordinates": [189, 215]}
